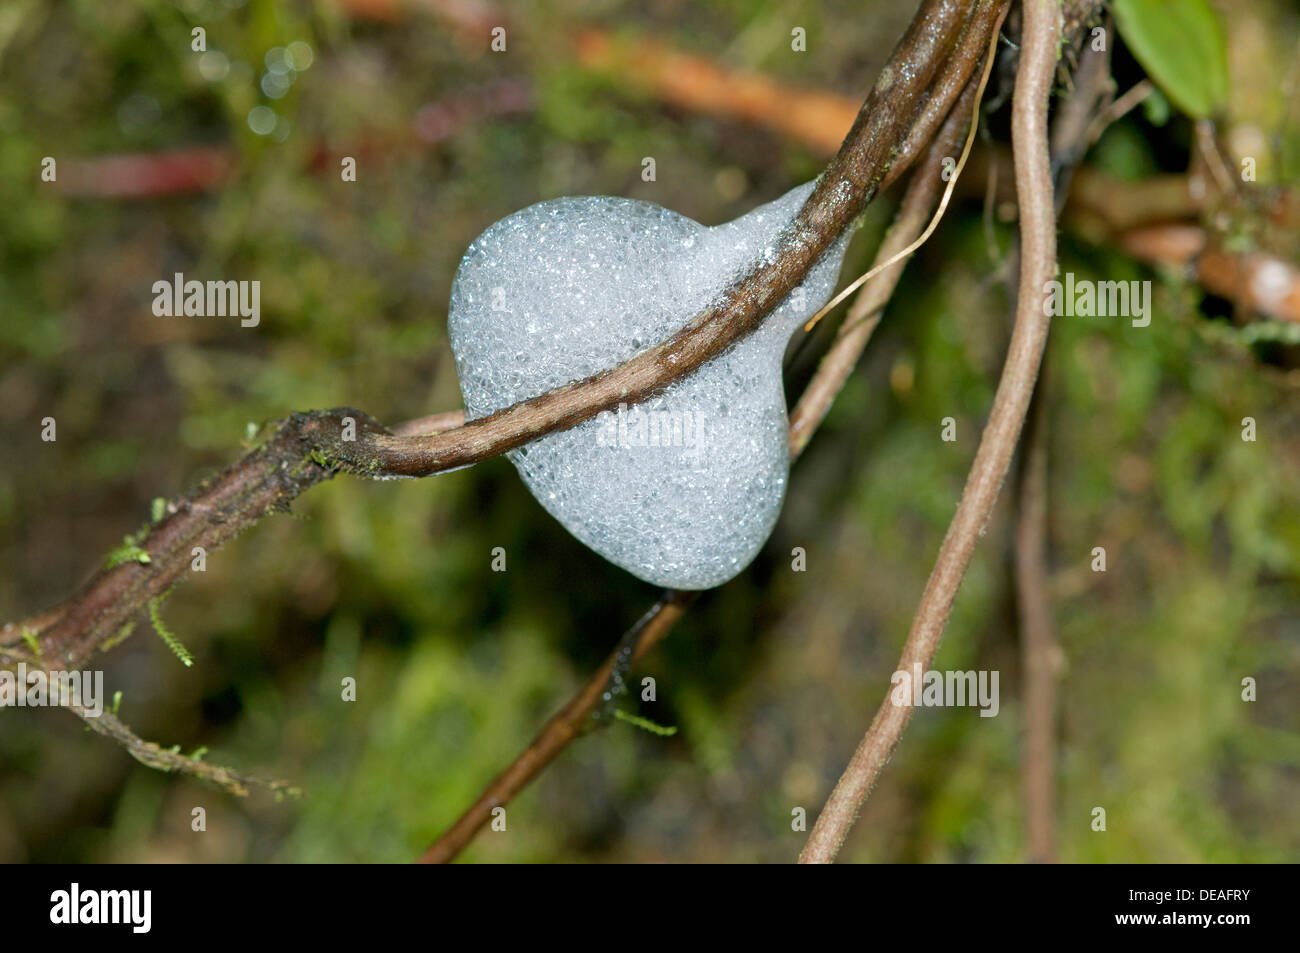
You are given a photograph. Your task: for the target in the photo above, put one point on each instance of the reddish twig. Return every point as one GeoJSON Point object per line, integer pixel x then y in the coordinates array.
{"type": "Point", "coordinates": [565, 726]}
{"type": "Point", "coordinates": [1257, 281]}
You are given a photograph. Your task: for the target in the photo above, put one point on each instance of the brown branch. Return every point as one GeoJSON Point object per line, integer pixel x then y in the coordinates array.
{"type": "Point", "coordinates": [263, 481]}
{"type": "Point", "coordinates": [309, 448]}
{"type": "Point", "coordinates": [565, 726]}
{"type": "Point", "coordinates": [1041, 33]}
{"type": "Point", "coordinates": [1081, 118]}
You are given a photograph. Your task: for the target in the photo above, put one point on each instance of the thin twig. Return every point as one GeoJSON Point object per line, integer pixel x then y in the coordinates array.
{"type": "Point", "coordinates": [1041, 31]}
{"type": "Point", "coordinates": [1039, 652]}
{"type": "Point", "coordinates": [1079, 120]}
{"type": "Point", "coordinates": [561, 729]}
{"type": "Point", "coordinates": [164, 759]}
{"type": "Point", "coordinates": [1120, 108]}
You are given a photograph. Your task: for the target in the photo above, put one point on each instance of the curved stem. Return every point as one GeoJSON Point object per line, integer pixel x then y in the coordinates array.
{"type": "Point", "coordinates": [1040, 35]}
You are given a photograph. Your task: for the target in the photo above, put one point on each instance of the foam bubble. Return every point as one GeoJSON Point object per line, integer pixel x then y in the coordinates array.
{"type": "Point", "coordinates": [683, 489]}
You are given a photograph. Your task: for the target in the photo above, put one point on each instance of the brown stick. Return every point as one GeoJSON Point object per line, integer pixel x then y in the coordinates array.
{"type": "Point", "coordinates": [1040, 35]}
{"type": "Point", "coordinates": [1082, 117]}
{"type": "Point", "coordinates": [562, 728]}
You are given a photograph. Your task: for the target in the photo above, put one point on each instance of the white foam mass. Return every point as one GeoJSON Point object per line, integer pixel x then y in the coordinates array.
{"type": "Point", "coordinates": [682, 489]}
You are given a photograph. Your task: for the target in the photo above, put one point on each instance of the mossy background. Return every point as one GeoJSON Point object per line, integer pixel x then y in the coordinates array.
{"type": "Point", "coordinates": [771, 679]}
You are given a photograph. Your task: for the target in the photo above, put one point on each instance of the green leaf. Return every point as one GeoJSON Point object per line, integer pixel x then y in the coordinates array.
{"type": "Point", "coordinates": [1181, 46]}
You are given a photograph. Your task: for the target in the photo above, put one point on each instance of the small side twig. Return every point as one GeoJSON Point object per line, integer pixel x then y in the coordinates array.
{"type": "Point", "coordinates": [164, 759]}
{"type": "Point", "coordinates": [566, 725]}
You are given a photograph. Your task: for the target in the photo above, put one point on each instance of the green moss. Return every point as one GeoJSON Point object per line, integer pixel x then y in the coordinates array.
{"type": "Point", "coordinates": [164, 633]}
{"type": "Point", "coordinates": [129, 551]}
{"type": "Point", "coordinates": [645, 724]}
